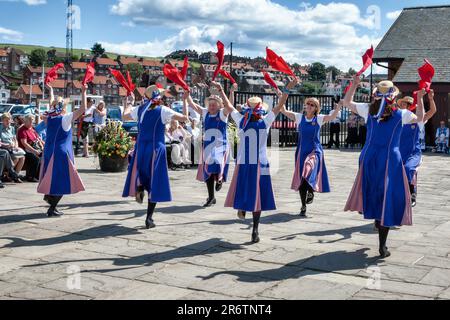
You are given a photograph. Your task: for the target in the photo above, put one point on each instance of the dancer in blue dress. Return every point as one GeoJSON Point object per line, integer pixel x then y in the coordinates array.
{"type": "Point", "coordinates": [310, 173]}
{"type": "Point", "coordinates": [251, 186]}
{"type": "Point", "coordinates": [58, 175]}
{"type": "Point", "coordinates": [410, 145]}
{"type": "Point", "coordinates": [381, 190]}
{"type": "Point", "coordinates": [215, 154]}
{"type": "Point", "coordinates": [147, 170]}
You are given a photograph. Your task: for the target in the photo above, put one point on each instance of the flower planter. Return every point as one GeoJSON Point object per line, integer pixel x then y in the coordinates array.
{"type": "Point", "coordinates": [114, 163]}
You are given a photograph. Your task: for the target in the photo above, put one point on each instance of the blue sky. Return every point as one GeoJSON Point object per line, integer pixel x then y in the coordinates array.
{"type": "Point", "coordinates": [335, 32]}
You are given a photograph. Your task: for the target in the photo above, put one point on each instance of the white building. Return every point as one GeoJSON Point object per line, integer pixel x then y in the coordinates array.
{"type": "Point", "coordinates": [5, 94]}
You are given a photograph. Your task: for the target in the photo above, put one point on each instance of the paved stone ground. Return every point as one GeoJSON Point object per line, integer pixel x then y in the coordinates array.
{"type": "Point", "coordinates": [197, 253]}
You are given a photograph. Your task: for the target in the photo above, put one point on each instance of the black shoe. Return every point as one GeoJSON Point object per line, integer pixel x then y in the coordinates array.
{"type": "Point", "coordinates": [384, 252]}
{"type": "Point", "coordinates": [241, 214]}
{"type": "Point", "coordinates": [53, 213]}
{"type": "Point", "coordinates": [219, 186]}
{"type": "Point", "coordinates": [310, 197]}
{"type": "Point", "coordinates": [140, 194]}
{"type": "Point", "coordinates": [303, 212]}
{"type": "Point", "coordinates": [255, 237]}
{"type": "Point", "coordinates": [210, 202]}
{"type": "Point", "coordinates": [149, 224]}
{"type": "Point", "coordinates": [413, 200]}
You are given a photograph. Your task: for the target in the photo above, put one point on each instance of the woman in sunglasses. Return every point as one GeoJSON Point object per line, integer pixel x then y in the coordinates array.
{"type": "Point", "coordinates": [310, 173]}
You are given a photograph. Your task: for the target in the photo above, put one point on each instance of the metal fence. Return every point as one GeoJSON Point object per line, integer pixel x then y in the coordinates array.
{"type": "Point", "coordinates": [288, 135]}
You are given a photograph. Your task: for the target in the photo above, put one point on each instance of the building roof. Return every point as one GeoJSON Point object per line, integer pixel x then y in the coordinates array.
{"type": "Point", "coordinates": [129, 60]}
{"type": "Point", "coordinates": [103, 80]}
{"type": "Point", "coordinates": [3, 53]}
{"type": "Point", "coordinates": [36, 90]}
{"type": "Point", "coordinates": [152, 63]}
{"type": "Point", "coordinates": [107, 61]}
{"type": "Point", "coordinates": [61, 84]}
{"type": "Point", "coordinates": [418, 33]}
{"type": "Point", "coordinates": [46, 69]}
{"type": "Point", "coordinates": [79, 65]}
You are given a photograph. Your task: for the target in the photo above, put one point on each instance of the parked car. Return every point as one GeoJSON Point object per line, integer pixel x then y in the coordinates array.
{"type": "Point", "coordinates": [22, 110]}
{"type": "Point", "coordinates": [114, 113]}
{"type": "Point", "coordinates": [6, 107]}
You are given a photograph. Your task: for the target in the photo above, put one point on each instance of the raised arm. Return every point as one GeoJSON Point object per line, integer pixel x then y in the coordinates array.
{"type": "Point", "coordinates": [427, 116]}
{"type": "Point", "coordinates": [188, 98]}
{"type": "Point", "coordinates": [281, 107]}
{"type": "Point", "coordinates": [228, 106]}
{"type": "Point", "coordinates": [420, 107]}
{"type": "Point", "coordinates": [128, 106]}
{"type": "Point", "coordinates": [335, 113]}
{"type": "Point", "coordinates": [348, 99]}
{"type": "Point", "coordinates": [78, 113]}
{"type": "Point", "coordinates": [52, 96]}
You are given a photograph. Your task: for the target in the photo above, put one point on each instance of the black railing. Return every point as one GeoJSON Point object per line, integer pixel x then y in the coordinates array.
{"type": "Point", "coordinates": [288, 135]}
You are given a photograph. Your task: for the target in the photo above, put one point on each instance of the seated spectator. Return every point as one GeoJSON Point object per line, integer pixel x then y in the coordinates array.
{"type": "Point", "coordinates": [442, 137]}
{"type": "Point", "coordinates": [8, 141]}
{"type": "Point", "coordinates": [352, 125]}
{"type": "Point", "coordinates": [41, 128]}
{"type": "Point", "coordinates": [196, 140]}
{"type": "Point", "coordinates": [180, 141]}
{"type": "Point", "coordinates": [30, 142]}
{"type": "Point", "coordinates": [7, 165]}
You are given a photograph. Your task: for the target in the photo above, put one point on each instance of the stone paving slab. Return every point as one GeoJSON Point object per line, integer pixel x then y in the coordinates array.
{"type": "Point", "coordinates": [196, 253]}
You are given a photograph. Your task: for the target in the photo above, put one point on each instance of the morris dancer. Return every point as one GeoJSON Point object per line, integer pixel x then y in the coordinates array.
{"type": "Point", "coordinates": [58, 174]}
{"type": "Point", "coordinates": [147, 170]}
{"type": "Point", "coordinates": [381, 190]}
{"type": "Point", "coordinates": [251, 187]}
{"type": "Point", "coordinates": [410, 145]}
{"type": "Point", "coordinates": [310, 173]}
{"type": "Point", "coordinates": [215, 152]}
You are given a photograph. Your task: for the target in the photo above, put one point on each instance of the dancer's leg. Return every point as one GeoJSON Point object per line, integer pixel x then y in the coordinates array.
{"type": "Point", "coordinates": [210, 186]}
{"type": "Point", "coordinates": [255, 233]}
{"type": "Point", "coordinates": [149, 224]}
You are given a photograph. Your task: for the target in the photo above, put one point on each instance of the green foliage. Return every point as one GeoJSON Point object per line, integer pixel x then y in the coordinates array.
{"type": "Point", "coordinates": [136, 72]}
{"type": "Point", "coordinates": [335, 71]}
{"type": "Point", "coordinates": [38, 57]}
{"type": "Point", "coordinates": [97, 49]}
{"type": "Point", "coordinates": [310, 88]}
{"type": "Point", "coordinates": [317, 72]}
{"type": "Point", "coordinates": [113, 140]}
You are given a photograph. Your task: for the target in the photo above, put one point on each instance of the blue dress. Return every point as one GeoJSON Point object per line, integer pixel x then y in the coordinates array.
{"type": "Point", "coordinates": [251, 186]}
{"type": "Point", "coordinates": [58, 175]}
{"type": "Point", "coordinates": [148, 164]}
{"type": "Point", "coordinates": [309, 159]}
{"type": "Point", "coordinates": [381, 190]}
{"type": "Point", "coordinates": [215, 150]}
{"type": "Point", "coordinates": [410, 148]}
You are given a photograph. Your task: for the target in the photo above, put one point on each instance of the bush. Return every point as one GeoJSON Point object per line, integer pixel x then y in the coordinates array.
{"type": "Point", "coordinates": [113, 140]}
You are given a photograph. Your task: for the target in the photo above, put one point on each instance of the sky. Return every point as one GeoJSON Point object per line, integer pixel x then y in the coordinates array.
{"type": "Point", "coordinates": [332, 32]}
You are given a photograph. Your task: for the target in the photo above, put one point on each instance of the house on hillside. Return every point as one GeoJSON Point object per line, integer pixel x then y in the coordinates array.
{"type": "Point", "coordinates": [420, 33]}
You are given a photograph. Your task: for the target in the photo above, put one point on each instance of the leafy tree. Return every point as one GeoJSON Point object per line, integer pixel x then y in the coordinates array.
{"type": "Point", "coordinates": [352, 72]}
{"type": "Point", "coordinates": [310, 88]}
{"type": "Point", "coordinates": [136, 72]}
{"type": "Point", "coordinates": [317, 72]}
{"type": "Point", "coordinates": [97, 50]}
{"type": "Point", "coordinates": [335, 71]}
{"type": "Point", "coordinates": [38, 57]}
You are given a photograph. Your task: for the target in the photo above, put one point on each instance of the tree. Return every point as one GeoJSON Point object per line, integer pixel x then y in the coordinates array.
{"type": "Point", "coordinates": [317, 72]}
{"type": "Point", "coordinates": [310, 88]}
{"type": "Point", "coordinates": [136, 72]}
{"type": "Point", "coordinates": [38, 57]}
{"type": "Point", "coordinates": [334, 71]}
{"type": "Point", "coordinates": [352, 72]}
{"type": "Point", "coordinates": [97, 50]}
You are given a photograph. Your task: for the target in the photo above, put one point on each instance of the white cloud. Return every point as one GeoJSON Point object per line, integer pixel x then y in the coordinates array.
{"type": "Point", "coordinates": [10, 35]}
{"type": "Point", "coordinates": [35, 2]}
{"type": "Point", "coordinates": [393, 14]}
{"type": "Point", "coordinates": [330, 33]}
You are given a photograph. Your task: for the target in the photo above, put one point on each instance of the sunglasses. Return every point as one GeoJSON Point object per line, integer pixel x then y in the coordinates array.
{"type": "Point", "coordinates": [309, 104]}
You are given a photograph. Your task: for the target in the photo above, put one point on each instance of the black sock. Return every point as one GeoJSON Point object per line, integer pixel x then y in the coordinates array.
{"type": "Point", "coordinates": [150, 210]}
{"type": "Point", "coordinates": [412, 189]}
{"type": "Point", "coordinates": [54, 200]}
{"type": "Point", "coordinates": [303, 191]}
{"type": "Point", "coordinates": [382, 234]}
{"type": "Point", "coordinates": [256, 218]}
{"type": "Point", "coordinates": [210, 186]}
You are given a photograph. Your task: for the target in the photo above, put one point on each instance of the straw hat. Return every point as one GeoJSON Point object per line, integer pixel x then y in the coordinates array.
{"type": "Point", "coordinates": [153, 88]}
{"type": "Point", "coordinates": [214, 98]}
{"type": "Point", "coordinates": [255, 101]}
{"type": "Point", "coordinates": [407, 99]}
{"type": "Point", "coordinates": [385, 86]}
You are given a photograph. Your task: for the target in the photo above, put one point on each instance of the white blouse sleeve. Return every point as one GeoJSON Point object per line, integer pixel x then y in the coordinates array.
{"type": "Point", "coordinates": [269, 119]}
{"type": "Point", "coordinates": [134, 113]}
{"type": "Point", "coordinates": [167, 114]}
{"type": "Point", "coordinates": [363, 110]}
{"type": "Point", "coordinates": [320, 118]}
{"type": "Point", "coordinates": [223, 117]}
{"type": "Point", "coordinates": [407, 117]}
{"type": "Point", "coordinates": [237, 117]}
{"type": "Point", "coordinates": [298, 118]}
{"type": "Point", "coordinates": [67, 121]}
